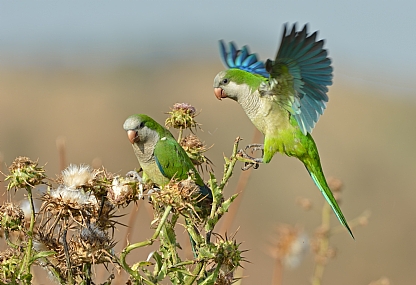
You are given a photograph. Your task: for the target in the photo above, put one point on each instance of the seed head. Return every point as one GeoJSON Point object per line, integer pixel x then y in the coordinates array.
{"type": "Point", "coordinates": [183, 196]}
{"type": "Point", "coordinates": [182, 116]}
{"type": "Point", "coordinates": [10, 261]}
{"type": "Point", "coordinates": [195, 150]}
{"type": "Point", "coordinates": [122, 191]}
{"type": "Point", "coordinates": [24, 173]}
{"type": "Point", "coordinates": [228, 254]}
{"type": "Point", "coordinates": [12, 217]}
{"type": "Point", "coordinates": [76, 176]}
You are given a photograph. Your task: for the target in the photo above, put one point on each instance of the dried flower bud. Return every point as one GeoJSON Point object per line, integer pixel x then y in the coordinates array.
{"type": "Point", "coordinates": [195, 150]}
{"type": "Point", "coordinates": [12, 217]}
{"type": "Point", "coordinates": [10, 262]}
{"type": "Point", "coordinates": [94, 235]}
{"type": "Point", "coordinates": [24, 173]}
{"type": "Point", "coordinates": [122, 191]}
{"type": "Point", "coordinates": [182, 116]}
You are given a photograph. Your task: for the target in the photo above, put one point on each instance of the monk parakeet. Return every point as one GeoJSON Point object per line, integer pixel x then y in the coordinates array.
{"type": "Point", "coordinates": [283, 98]}
{"type": "Point", "coordinates": [159, 154]}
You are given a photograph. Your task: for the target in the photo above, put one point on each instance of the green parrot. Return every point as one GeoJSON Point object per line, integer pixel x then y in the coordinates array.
{"type": "Point", "coordinates": [159, 154]}
{"type": "Point", "coordinates": [283, 98]}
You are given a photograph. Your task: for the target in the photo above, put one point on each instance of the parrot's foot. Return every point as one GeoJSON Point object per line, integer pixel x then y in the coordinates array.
{"type": "Point", "coordinates": [252, 161]}
{"type": "Point", "coordinates": [133, 175]}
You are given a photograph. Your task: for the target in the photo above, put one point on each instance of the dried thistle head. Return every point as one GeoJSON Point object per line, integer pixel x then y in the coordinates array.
{"type": "Point", "coordinates": [123, 191]}
{"type": "Point", "coordinates": [181, 195]}
{"type": "Point", "coordinates": [195, 150]}
{"type": "Point", "coordinates": [93, 246]}
{"type": "Point", "coordinates": [73, 197]}
{"type": "Point", "coordinates": [12, 217]}
{"type": "Point", "coordinates": [290, 245]}
{"type": "Point", "coordinates": [76, 176]}
{"type": "Point", "coordinates": [182, 116]}
{"type": "Point", "coordinates": [24, 173]}
{"type": "Point", "coordinates": [10, 262]}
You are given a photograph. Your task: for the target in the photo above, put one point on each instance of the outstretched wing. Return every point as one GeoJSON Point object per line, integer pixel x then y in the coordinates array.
{"type": "Point", "coordinates": [303, 63]}
{"type": "Point", "coordinates": [242, 59]}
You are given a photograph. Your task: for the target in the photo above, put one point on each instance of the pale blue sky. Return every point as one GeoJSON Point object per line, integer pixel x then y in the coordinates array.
{"type": "Point", "coordinates": [370, 41]}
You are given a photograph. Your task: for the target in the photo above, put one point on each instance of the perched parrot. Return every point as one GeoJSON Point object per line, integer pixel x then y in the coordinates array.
{"type": "Point", "coordinates": [159, 154]}
{"type": "Point", "coordinates": [283, 98]}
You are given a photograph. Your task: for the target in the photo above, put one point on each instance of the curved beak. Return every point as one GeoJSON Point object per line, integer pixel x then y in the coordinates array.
{"type": "Point", "coordinates": [219, 93]}
{"type": "Point", "coordinates": [132, 135]}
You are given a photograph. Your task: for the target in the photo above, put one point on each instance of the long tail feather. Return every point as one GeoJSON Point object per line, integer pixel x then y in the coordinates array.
{"type": "Point", "coordinates": [315, 171]}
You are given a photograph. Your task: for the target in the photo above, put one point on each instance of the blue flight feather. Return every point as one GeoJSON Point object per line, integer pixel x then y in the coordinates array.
{"type": "Point", "coordinates": [242, 59]}
{"type": "Point", "coordinates": [308, 63]}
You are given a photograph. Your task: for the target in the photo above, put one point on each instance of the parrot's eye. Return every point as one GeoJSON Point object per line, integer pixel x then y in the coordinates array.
{"type": "Point", "coordinates": [225, 81]}
{"type": "Point", "coordinates": [141, 125]}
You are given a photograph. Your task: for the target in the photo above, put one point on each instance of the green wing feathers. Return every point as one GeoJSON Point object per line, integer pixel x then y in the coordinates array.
{"type": "Point", "coordinates": [310, 72]}
{"type": "Point", "coordinates": [173, 162]}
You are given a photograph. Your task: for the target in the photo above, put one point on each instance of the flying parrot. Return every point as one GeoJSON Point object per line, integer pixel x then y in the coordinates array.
{"type": "Point", "coordinates": [283, 98]}
{"type": "Point", "coordinates": [159, 154]}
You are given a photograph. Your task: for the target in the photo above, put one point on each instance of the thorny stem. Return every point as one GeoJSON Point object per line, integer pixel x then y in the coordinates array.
{"type": "Point", "coordinates": [324, 245]}
{"type": "Point", "coordinates": [66, 250]}
{"type": "Point", "coordinates": [191, 278]}
{"type": "Point", "coordinates": [150, 241]}
{"type": "Point", "coordinates": [241, 185]}
{"type": "Point", "coordinates": [25, 269]}
{"type": "Point", "coordinates": [229, 166]}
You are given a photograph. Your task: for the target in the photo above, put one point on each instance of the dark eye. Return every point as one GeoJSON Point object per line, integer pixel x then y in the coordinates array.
{"type": "Point", "coordinates": [141, 125]}
{"type": "Point", "coordinates": [225, 81]}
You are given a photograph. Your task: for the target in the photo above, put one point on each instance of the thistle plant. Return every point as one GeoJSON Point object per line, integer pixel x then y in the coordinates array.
{"type": "Point", "coordinates": [73, 231]}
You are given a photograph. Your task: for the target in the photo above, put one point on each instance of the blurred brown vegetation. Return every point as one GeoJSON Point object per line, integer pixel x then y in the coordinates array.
{"type": "Point", "coordinates": [366, 138]}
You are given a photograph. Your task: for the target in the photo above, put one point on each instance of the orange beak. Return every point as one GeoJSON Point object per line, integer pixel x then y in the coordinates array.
{"type": "Point", "coordinates": [132, 135]}
{"type": "Point", "coordinates": [219, 93]}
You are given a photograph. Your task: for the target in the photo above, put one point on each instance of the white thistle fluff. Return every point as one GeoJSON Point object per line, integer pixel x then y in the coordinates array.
{"type": "Point", "coordinates": [71, 192]}
{"type": "Point", "coordinates": [75, 176]}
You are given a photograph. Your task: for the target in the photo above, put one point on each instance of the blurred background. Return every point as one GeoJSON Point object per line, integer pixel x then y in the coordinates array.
{"type": "Point", "coordinates": [72, 72]}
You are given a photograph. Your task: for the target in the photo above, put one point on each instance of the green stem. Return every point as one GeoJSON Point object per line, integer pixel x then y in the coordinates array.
{"type": "Point", "coordinates": [190, 279]}
{"type": "Point", "coordinates": [9, 242]}
{"type": "Point", "coordinates": [25, 268]}
{"type": "Point", "coordinates": [87, 273]}
{"type": "Point", "coordinates": [150, 241]}
{"type": "Point", "coordinates": [180, 135]}
{"type": "Point", "coordinates": [229, 165]}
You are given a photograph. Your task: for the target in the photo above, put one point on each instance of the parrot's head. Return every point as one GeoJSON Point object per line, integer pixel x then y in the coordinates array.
{"type": "Point", "coordinates": [140, 128]}
{"type": "Point", "coordinates": [234, 83]}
